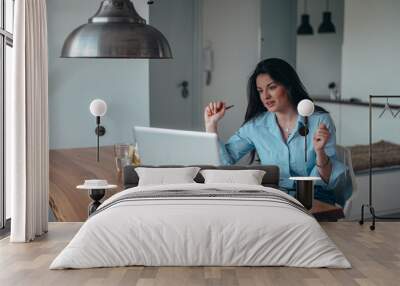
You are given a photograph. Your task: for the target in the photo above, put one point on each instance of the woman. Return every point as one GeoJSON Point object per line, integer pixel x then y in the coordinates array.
{"type": "Point", "coordinates": [271, 128]}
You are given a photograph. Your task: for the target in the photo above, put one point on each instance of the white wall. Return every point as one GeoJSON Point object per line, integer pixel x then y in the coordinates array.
{"type": "Point", "coordinates": [233, 28]}
{"type": "Point", "coordinates": [352, 124]}
{"type": "Point", "coordinates": [385, 194]}
{"type": "Point", "coordinates": [74, 83]}
{"type": "Point", "coordinates": [371, 58]}
{"type": "Point", "coordinates": [319, 55]}
{"type": "Point", "coordinates": [370, 65]}
{"type": "Point", "coordinates": [278, 30]}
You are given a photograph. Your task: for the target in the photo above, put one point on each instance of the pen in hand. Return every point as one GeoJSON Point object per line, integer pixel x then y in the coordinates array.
{"type": "Point", "coordinates": [212, 110]}
{"type": "Point", "coordinates": [226, 108]}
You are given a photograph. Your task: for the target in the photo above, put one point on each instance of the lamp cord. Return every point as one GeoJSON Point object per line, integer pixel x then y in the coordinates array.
{"type": "Point", "coordinates": [305, 137]}
{"type": "Point", "coordinates": [98, 144]}
{"type": "Point", "coordinates": [98, 137]}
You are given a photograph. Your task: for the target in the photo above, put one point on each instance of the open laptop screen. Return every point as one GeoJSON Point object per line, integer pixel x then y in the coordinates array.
{"type": "Point", "coordinates": [158, 146]}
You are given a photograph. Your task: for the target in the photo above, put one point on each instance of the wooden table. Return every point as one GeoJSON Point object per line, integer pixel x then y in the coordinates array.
{"type": "Point", "coordinates": [70, 167]}
{"type": "Point", "coordinates": [326, 212]}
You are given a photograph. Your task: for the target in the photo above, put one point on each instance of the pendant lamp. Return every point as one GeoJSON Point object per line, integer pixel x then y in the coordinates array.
{"type": "Point", "coordinates": [305, 28]}
{"type": "Point", "coordinates": [116, 31]}
{"type": "Point", "coordinates": [326, 26]}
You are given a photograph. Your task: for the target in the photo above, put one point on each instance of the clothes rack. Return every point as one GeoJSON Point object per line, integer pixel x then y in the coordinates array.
{"type": "Point", "coordinates": [370, 205]}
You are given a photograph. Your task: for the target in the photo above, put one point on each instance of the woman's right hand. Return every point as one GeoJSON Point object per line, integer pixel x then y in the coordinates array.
{"type": "Point", "coordinates": [213, 112]}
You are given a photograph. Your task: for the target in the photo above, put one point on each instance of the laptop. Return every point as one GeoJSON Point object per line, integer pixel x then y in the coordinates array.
{"type": "Point", "coordinates": [159, 146]}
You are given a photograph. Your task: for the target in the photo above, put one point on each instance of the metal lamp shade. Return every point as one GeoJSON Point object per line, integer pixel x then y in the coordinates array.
{"type": "Point", "coordinates": [116, 31]}
{"type": "Point", "coordinates": [305, 27]}
{"type": "Point", "coordinates": [326, 26]}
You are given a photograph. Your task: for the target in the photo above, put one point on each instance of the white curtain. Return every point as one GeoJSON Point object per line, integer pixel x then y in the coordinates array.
{"type": "Point", "coordinates": [27, 133]}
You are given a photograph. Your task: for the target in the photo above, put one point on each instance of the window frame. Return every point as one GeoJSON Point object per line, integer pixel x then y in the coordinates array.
{"type": "Point", "coordinates": [6, 39]}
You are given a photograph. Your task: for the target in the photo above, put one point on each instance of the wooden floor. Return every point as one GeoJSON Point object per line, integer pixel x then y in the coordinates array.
{"type": "Point", "coordinates": [375, 257]}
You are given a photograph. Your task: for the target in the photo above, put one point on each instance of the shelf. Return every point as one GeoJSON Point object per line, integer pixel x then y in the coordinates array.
{"type": "Point", "coordinates": [354, 103]}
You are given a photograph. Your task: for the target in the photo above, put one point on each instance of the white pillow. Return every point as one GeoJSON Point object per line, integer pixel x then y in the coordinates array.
{"type": "Point", "coordinates": [248, 177]}
{"type": "Point", "coordinates": [164, 176]}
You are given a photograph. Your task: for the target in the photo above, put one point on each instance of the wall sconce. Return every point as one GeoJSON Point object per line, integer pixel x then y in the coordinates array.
{"type": "Point", "coordinates": [305, 108]}
{"type": "Point", "coordinates": [305, 27]}
{"type": "Point", "coordinates": [98, 108]}
{"type": "Point", "coordinates": [326, 26]}
{"type": "Point", "coordinates": [305, 185]}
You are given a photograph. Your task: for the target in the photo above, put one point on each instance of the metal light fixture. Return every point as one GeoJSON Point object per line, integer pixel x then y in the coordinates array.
{"type": "Point", "coordinates": [305, 185]}
{"type": "Point", "coordinates": [116, 31]}
{"type": "Point", "coordinates": [98, 108]}
{"type": "Point", "coordinates": [326, 26]}
{"type": "Point", "coordinates": [305, 108]}
{"type": "Point", "coordinates": [305, 27]}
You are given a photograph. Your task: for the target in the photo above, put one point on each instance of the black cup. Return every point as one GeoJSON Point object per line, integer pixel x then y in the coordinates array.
{"type": "Point", "coordinates": [305, 192]}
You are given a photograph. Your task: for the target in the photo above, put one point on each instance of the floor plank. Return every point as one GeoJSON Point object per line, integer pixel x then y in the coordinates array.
{"type": "Point", "coordinates": [375, 257]}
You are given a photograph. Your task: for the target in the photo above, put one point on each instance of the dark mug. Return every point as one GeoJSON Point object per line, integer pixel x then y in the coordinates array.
{"type": "Point", "coordinates": [305, 192]}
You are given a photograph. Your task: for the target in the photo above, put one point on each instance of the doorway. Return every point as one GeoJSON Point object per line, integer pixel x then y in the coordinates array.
{"type": "Point", "coordinates": [175, 100]}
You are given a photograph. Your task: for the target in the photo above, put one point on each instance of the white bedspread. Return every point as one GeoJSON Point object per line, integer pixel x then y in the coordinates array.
{"type": "Point", "coordinates": [200, 231]}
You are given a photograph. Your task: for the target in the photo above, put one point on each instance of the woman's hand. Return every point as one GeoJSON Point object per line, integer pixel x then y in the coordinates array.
{"type": "Point", "coordinates": [213, 112]}
{"type": "Point", "coordinates": [321, 137]}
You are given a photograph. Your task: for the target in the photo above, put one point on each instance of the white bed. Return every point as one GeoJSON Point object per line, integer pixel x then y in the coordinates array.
{"type": "Point", "coordinates": [268, 228]}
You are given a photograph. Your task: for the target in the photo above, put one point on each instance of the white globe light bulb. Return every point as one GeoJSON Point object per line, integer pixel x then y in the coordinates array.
{"type": "Point", "coordinates": [98, 107]}
{"type": "Point", "coordinates": [305, 107]}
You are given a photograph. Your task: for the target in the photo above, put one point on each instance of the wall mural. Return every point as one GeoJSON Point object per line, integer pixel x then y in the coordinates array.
{"type": "Point", "coordinates": [212, 64]}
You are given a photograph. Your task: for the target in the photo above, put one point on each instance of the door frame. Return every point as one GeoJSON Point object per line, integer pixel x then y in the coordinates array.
{"type": "Point", "coordinates": [198, 75]}
{"type": "Point", "coordinates": [2, 125]}
{"type": "Point", "coordinates": [6, 39]}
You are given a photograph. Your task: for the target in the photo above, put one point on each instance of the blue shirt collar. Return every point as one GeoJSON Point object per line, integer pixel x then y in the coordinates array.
{"type": "Point", "coordinates": [272, 124]}
{"type": "Point", "coordinates": [299, 123]}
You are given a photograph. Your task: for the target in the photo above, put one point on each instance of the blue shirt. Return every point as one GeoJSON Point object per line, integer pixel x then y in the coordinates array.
{"type": "Point", "coordinates": [263, 134]}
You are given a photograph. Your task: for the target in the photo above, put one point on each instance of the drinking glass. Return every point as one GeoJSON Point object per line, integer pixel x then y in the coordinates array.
{"type": "Point", "coordinates": [122, 158]}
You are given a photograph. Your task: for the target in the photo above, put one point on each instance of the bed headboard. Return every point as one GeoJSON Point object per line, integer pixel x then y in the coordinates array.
{"type": "Point", "coordinates": [270, 179]}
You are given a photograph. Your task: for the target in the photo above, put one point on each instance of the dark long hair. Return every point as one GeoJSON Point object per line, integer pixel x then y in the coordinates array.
{"type": "Point", "coordinates": [284, 74]}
